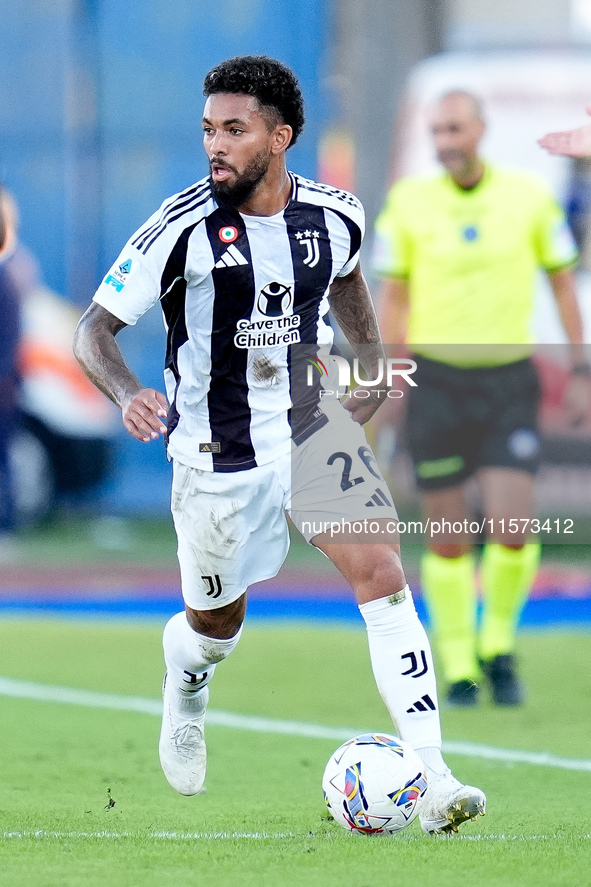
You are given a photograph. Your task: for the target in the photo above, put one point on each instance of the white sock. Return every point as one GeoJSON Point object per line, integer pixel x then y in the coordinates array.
{"type": "Point", "coordinates": [191, 659]}
{"type": "Point", "coordinates": [431, 758]}
{"type": "Point", "coordinates": [403, 668]}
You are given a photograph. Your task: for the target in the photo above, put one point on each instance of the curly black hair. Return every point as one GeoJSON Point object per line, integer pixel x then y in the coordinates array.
{"type": "Point", "coordinates": [273, 84]}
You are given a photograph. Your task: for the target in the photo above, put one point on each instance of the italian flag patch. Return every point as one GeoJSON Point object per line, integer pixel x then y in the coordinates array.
{"type": "Point", "coordinates": [228, 234]}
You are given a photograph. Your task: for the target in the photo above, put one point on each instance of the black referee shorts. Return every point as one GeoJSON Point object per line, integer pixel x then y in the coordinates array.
{"type": "Point", "coordinates": [460, 420]}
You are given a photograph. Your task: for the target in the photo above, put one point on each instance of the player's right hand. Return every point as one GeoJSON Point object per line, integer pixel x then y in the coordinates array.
{"type": "Point", "coordinates": [569, 143]}
{"type": "Point", "coordinates": [143, 414]}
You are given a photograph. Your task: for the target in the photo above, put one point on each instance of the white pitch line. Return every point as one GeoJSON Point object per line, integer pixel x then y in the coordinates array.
{"type": "Point", "coordinates": [538, 759]}
{"type": "Point", "coordinates": [262, 836]}
{"type": "Point", "coordinates": [161, 836]}
{"type": "Point", "coordinates": [91, 699]}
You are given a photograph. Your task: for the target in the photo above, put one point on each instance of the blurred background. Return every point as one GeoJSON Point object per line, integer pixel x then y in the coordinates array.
{"type": "Point", "coordinates": [100, 105]}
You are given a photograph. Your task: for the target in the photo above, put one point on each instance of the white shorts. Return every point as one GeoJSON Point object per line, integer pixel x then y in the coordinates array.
{"type": "Point", "coordinates": [232, 528]}
{"type": "Point", "coordinates": [336, 482]}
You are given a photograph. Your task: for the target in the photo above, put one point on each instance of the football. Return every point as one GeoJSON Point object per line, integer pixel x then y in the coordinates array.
{"type": "Point", "coordinates": [374, 783]}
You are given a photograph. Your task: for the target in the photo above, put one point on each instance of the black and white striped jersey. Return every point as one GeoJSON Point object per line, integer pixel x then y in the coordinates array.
{"type": "Point", "coordinates": [238, 294]}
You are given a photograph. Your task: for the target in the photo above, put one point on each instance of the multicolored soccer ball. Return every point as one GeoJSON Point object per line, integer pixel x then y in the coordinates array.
{"type": "Point", "coordinates": [374, 783]}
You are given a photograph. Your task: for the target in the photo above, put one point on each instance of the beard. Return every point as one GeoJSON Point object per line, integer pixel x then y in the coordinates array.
{"type": "Point", "coordinates": [246, 184]}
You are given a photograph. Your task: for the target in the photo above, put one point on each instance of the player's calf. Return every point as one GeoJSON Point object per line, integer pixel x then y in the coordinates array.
{"type": "Point", "coordinates": [191, 659]}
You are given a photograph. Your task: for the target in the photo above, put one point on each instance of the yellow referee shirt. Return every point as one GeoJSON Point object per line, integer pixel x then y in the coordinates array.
{"type": "Point", "coordinates": [471, 259]}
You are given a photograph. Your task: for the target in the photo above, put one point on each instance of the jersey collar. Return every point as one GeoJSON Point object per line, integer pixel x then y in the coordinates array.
{"type": "Point", "coordinates": [486, 176]}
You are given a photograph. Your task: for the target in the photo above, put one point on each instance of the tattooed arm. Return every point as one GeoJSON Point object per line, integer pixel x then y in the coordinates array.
{"type": "Point", "coordinates": [353, 309]}
{"type": "Point", "coordinates": [142, 409]}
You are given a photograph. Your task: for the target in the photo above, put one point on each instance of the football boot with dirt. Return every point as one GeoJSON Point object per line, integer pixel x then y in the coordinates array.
{"type": "Point", "coordinates": [447, 804]}
{"type": "Point", "coordinates": [182, 741]}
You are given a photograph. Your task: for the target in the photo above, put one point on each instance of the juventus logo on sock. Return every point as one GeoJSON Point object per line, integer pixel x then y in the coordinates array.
{"type": "Point", "coordinates": [413, 671]}
{"type": "Point", "coordinates": [194, 681]}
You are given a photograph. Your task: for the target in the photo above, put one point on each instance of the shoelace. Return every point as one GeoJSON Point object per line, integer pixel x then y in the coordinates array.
{"type": "Point", "coordinates": [187, 738]}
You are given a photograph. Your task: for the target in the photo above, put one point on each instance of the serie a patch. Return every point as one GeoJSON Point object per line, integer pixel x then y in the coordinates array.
{"type": "Point", "coordinates": [213, 447]}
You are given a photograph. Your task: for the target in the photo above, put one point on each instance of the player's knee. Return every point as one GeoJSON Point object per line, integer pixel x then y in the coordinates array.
{"type": "Point", "coordinates": [385, 573]}
{"type": "Point", "coordinates": [222, 623]}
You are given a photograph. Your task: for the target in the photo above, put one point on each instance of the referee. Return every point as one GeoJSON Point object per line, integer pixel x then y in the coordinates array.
{"type": "Point", "coordinates": [459, 253]}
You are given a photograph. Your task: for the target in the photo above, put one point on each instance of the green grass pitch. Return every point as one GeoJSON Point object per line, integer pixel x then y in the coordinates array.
{"type": "Point", "coordinates": [262, 820]}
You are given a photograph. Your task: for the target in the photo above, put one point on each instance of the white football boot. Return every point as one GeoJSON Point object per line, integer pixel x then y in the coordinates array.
{"type": "Point", "coordinates": [182, 741]}
{"type": "Point", "coordinates": [448, 803]}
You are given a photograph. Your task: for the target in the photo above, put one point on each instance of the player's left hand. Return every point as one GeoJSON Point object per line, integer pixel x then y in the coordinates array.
{"type": "Point", "coordinates": [577, 400]}
{"type": "Point", "coordinates": [363, 408]}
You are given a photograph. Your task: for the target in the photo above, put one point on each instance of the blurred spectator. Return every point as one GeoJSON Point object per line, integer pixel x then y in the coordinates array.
{"type": "Point", "coordinates": [459, 254]}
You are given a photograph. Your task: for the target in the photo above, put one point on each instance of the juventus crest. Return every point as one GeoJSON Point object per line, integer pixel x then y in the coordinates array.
{"type": "Point", "coordinates": [309, 239]}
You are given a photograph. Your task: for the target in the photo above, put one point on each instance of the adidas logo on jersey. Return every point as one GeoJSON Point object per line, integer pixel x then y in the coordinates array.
{"type": "Point", "coordinates": [231, 258]}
